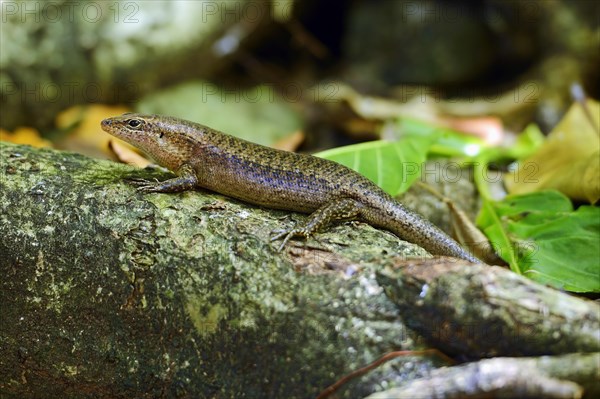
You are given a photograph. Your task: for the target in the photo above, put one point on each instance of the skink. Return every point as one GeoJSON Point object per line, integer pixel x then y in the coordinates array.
{"type": "Point", "coordinates": [204, 157]}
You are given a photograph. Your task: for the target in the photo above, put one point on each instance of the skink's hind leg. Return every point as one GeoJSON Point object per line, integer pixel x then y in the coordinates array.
{"type": "Point", "coordinates": [337, 210]}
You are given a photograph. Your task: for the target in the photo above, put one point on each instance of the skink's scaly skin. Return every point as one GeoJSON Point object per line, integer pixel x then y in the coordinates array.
{"type": "Point", "coordinates": [204, 157]}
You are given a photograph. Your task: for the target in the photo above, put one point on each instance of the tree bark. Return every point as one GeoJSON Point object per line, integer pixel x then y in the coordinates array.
{"type": "Point", "coordinates": [486, 311]}
{"type": "Point", "coordinates": [107, 292]}
{"type": "Point", "coordinates": [110, 293]}
{"type": "Point", "coordinates": [535, 378]}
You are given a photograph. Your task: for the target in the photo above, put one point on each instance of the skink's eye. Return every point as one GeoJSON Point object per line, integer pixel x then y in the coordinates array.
{"type": "Point", "coordinates": [134, 123]}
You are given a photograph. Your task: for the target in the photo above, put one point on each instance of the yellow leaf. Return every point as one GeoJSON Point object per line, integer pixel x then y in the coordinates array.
{"type": "Point", "coordinates": [568, 161]}
{"type": "Point", "coordinates": [87, 137]}
{"type": "Point", "coordinates": [25, 135]}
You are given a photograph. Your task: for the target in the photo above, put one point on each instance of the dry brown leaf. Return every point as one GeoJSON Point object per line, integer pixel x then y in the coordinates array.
{"type": "Point", "coordinates": [466, 232]}
{"type": "Point", "coordinates": [126, 155]}
{"type": "Point", "coordinates": [290, 142]}
{"type": "Point", "coordinates": [424, 108]}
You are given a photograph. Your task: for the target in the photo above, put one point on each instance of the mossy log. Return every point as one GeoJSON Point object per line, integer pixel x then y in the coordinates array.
{"type": "Point", "coordinates": [529, 377]}
{"type": "Point", "coordinates": [487, 311]}
{"type": "Point", "coordinates": [107, 292]}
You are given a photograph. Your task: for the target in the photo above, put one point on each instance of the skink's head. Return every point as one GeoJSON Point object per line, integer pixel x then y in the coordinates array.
{"type": "Point", "coordinates": [134, 128]}
{"type": "Point", "coordinates": [165, 139]}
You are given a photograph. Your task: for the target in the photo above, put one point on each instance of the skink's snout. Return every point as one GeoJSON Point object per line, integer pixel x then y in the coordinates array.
{"type": "Point", "coordinates": [105, 123]}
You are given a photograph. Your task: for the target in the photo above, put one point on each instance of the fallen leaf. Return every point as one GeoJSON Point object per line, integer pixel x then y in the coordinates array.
{"type": "Point", "coordinates": [466, 232]}
{"type": "Point", "coordinates": [86, 136]}
{"type": "Point", "coordinates": [25, 135]}
{"type": "Point", "coordinates": [568, 161]}
{"type": "Point", "coordinates": [290, 142]}
{"type": "Point", "coordinates": [393, 166]}
{"type": "Point", "coordinates": [542, 237]}
{"type": "Point", "coordinates": [423, 107]}
{"type": "Point", "coordinates": [126, 155]}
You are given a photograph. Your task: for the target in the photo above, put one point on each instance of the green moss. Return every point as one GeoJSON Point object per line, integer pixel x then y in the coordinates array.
{"type": "Point", "coordinates": [116, 282]}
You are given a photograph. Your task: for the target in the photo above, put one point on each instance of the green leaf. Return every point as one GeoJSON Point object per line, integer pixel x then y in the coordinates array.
{"type": "Point", "coordinates": [449, 143]}
{"type": "Point", "coordinates": [489, 221]}
{"type": "Point", "coordinates": [541, 237]}
{"type": "Point", "coordinates": [528, 142]}
{"type": "Point", "coordinates": [566, 252]}
{"type": "Point", "coordinates": [548, 201]}
{"type": "Point", "coordinates": [393, 166]}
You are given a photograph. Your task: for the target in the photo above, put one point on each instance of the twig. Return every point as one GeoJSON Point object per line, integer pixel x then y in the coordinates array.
{"type": "Point", "coordinates": [385, 358]}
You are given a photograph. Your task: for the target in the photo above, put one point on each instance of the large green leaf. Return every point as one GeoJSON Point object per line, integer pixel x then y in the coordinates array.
{"type": "Point", "coordinates": [393, 166]}
{"type": "Point", "coordinates": [489, 221]}
{"type": "Point", "coordinates": [547, 201]}
{"type": "Point", "coordinates": [543, 238]}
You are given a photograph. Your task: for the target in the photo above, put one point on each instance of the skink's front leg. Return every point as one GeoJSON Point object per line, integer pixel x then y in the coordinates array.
{"type": "Point", "coordinates": [186, 180]}
{"type": "Point", "coordinates": [337, 210]}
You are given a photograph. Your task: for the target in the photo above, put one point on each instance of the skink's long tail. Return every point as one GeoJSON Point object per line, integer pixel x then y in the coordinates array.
{"type": "Point", "coordinates": [412, 227]}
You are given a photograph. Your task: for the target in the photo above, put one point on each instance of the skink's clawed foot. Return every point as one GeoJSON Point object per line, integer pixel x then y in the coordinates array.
{"type": "Point", "coordinates": [143, 185]}
{"type": "Point", "coordinates": [139, 182]}
{"type": "Point", "coordinates": [148, 188]}
{"type": "Point", "coordinates": [278, 234]}
{"type": "Point", "coordinates": [288, 234]}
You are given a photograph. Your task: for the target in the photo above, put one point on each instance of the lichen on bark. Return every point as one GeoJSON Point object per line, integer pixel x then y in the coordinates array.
{"type": "Point", "coordinates": [115, 293]}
